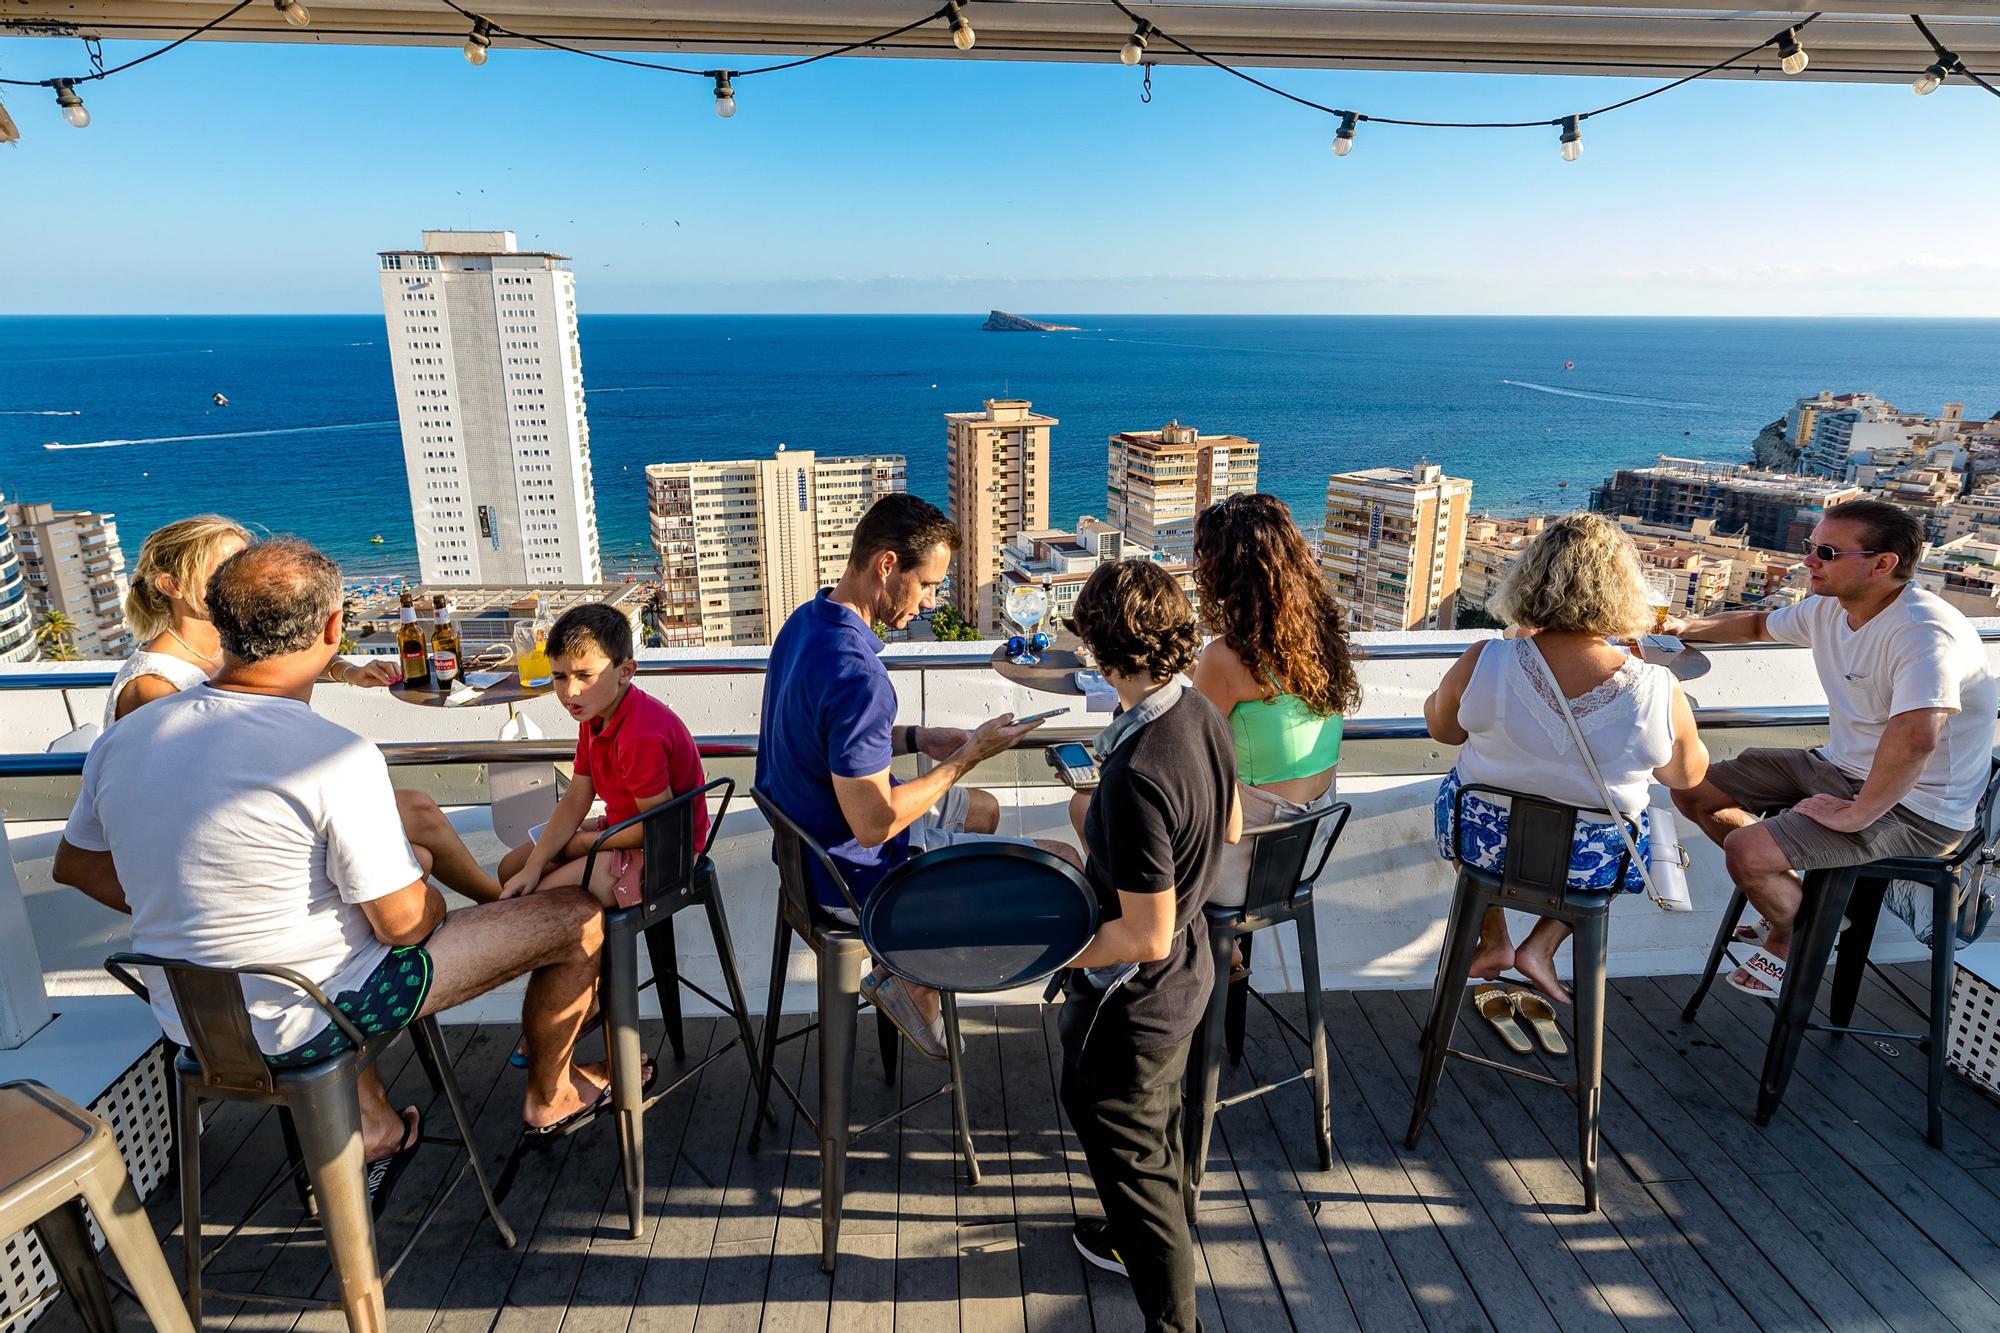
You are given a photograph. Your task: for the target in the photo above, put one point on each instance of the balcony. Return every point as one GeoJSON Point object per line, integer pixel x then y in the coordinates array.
{"type": "Point", "coordinates": [1706, 1217]}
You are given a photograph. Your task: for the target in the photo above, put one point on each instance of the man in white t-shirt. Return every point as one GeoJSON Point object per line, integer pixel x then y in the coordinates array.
{"type": "Point", "coordinates": [1911, 705]}
{"type": "Point", "coordinates": [238, 827]}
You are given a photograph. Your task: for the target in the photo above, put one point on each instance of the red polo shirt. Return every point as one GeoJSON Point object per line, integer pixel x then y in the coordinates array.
{"type": "Point", "coordinates": [641, 751]}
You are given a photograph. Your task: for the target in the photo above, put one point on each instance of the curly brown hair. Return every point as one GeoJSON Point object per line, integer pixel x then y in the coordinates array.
{"type": "Point", "coordinates": [1261, 591]}
{"type": "Point", "coordinates": [1136, 620]}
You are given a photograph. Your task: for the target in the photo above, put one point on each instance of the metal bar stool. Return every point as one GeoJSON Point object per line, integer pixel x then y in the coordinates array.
{"type": "Point", "coordinates": [1533, 878]}
{"type": "Point", "coordinates": [1855, 892]}
{"type": "Point", "coordinates": [55, 1157]}
{"type": "Point", "coordinates": [223, 1063]}
{"type": "Point", "coordinates": [837, 950]}
{"type": "Point", "coordinates": [676, 876]}
{"type": "Point", "coordinates": [1279, 890]}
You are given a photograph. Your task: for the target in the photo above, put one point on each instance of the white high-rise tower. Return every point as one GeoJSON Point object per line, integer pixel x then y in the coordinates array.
{"type": "Point", "coordinates": [489, 387]}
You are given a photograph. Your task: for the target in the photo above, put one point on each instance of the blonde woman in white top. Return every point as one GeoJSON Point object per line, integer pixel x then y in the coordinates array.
{"type": "Point", "coordinates": [179, 649]}
{"type": "Point", "coordinates": [1574, 591]}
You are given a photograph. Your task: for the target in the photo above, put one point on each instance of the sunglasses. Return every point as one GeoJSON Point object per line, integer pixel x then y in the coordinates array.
{"type": "Point", "coordinates": [1826, 554]}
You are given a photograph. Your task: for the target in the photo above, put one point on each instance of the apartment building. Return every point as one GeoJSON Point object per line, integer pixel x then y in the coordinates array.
{"type": "Point", "coordinates": [996, 484]}
{"type": "Point", "coordinates": [489, 390]}
{"type": "Point", "coordinates": [1771, 510]}
{"type": "Point", "coordinates": [1492, 545]}
{"type": "Point", "coordinates": [743, 542]}
{"type": "Point", "coordinates": [1394, 545]}
{"type": "Point", "coordinates": [71, 563]}
{"type": "Point", "coordinates": [1158, 480]}
{"type": "Point", "coordinates": [1062, 561]}
{"type": "Point", "coordinates": [17, 625]}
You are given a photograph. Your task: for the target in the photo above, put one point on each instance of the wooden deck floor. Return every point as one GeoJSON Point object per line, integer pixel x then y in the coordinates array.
{"type": "Point", "coordinates": [1838, 1215]}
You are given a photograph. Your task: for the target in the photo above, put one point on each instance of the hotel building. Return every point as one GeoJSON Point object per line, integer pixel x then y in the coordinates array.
{"type": "Point", "coordinates": [996, 484]}
{"type": "Point", "coordinates": [1158, 480]}
{"type": "Point", "coordinates": [1394, 544]}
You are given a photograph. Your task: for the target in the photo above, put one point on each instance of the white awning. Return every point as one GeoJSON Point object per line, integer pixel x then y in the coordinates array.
{"type": "Point", "coordinates": [1854, 41]}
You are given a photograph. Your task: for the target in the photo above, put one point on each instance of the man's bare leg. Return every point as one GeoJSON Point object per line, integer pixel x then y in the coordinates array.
{"type": "Point", "coordinates": [982, 811]}
{"type": "Point", "coordinates": [452, 863]}
{"type": "Point", "coordinates": [1761, 869]}
{"type": "Point", "coordinates": [554, 935]}
{"type": "Point", "coordinates": [1715, 812]}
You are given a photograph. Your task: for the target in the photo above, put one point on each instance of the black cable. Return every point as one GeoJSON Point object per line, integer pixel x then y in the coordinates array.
{"type": "Point", "coordinates": [140, 60]}
{"type": "Point", "coordinates": [1460, 124]}
{"type": "Point", "coordinates": [1949, 59]}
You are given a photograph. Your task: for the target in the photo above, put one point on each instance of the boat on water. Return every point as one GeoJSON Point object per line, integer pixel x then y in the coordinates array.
{"type": "Point", "coordinates": [221, 400]}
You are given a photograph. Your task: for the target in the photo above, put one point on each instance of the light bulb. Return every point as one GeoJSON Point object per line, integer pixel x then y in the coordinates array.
{"type": "Point", "coordinates": [1343, 138]}
{"type": "Point", "coordinates": [962, 35]}
{"type": "Point", "coordinates": [1135, 45]}
{"type": "Point", "coordinates": [72, 106]}
{"type": "Point", "coordinates": [1572, 139]}
{"type": "Point", "coordinates": [478, 44]}
{"type": "Point", "coordinates": [1929, 81]}
{"type": "Point", "coordinates": [295, 13]}
{"type": "Point", "coordinates": [1792, 57]}
{"type": "Point", "coordinates": [725, 97]}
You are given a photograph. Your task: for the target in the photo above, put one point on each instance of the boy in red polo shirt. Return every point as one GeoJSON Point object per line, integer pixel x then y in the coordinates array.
{"type": "Point", "coordinates": [631, 750]}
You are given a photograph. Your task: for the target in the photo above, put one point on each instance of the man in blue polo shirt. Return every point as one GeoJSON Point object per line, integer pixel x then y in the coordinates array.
{"type": "Point", "coordinates": [829, 730]}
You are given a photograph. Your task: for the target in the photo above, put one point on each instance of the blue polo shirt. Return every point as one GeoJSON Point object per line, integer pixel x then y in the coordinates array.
{"type": "Point", "coordinates": [829, 710]}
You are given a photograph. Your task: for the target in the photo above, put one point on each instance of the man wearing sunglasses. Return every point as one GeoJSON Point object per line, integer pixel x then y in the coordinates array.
{"type": "Point", "coordinates": [1911, 707]}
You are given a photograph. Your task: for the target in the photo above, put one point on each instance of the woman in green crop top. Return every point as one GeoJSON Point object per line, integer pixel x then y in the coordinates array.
{"type": "Point", "coordinates": [1278, 667]}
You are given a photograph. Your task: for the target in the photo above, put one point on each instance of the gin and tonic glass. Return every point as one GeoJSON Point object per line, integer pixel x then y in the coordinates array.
{"type": "Point", "coordinates": [1026, 606]}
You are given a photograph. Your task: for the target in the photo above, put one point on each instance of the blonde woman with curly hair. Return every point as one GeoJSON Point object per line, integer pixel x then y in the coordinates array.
{"type": "Point", "coordinates": [1572, 593]}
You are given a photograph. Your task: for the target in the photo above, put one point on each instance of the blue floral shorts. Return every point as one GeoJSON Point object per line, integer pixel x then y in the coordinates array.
{"type": "Point", "coordinates": [388, 1001]}
{"type": "Point", "coordinates": [1593, 858]}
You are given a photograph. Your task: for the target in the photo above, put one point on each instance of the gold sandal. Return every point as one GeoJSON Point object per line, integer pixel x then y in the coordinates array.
{"type": "Point", "coordinates": [1494, 1006]}
{"type": "Point", "coordinates": [1535, 1010]}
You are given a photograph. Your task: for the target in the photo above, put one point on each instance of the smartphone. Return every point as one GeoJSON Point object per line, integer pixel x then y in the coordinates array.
{"type": "Point", "coordinates": [1038, 717]}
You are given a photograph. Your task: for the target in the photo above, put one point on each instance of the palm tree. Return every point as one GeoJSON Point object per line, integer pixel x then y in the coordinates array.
{"type": "Point", "coordinates": [55, 633]}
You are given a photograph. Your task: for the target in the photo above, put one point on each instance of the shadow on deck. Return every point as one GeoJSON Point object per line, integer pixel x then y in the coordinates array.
{"type": "Point", "coordinates": [1838, 1215]}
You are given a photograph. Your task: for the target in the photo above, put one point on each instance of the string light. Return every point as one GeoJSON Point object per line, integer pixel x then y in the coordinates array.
{"type": "Point", "coordinates": [1343, 138]}
{"type": "Point", "coordinates": [478, 42]}
{"type": "Point", "coordinates": [725, 96]}
{"type": "Point", "coordinates": [1928, 81]}
{"type": "Point", "coordinates": [295, 13]}
{"type": "Point", "coordinates": [1792, 57]}
{"type": "Point", "coordinates": [962, 35]}
{"type": "Point", "coordinates": [1135, 45]}
{"type": "Point", "coordinates": [73, 109]}
{"type": "Point", "coordinates": [1572, 139]}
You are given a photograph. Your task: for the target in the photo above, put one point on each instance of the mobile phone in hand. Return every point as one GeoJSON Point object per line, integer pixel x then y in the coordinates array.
{"type": "Point", "coordinates": [1038, 717]}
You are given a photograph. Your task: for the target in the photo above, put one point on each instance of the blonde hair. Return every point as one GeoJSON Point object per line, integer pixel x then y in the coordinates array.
{"type": "Point", "coordinates": [1581, 576]}
{"type": "Point", "coordinates": [183, 549]}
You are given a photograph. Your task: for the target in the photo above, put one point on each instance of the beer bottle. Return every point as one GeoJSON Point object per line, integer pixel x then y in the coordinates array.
{"type": "Point", "coordinates": [411, 651]}
{"type": "Point", "coordinates": [444, 646]}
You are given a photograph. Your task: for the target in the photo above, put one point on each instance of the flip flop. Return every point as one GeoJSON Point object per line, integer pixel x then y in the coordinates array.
{"type": "Point", "coordinates": [1762, 975]}
{"type": "Point", "coordinates": [1494, 1006]}
{"type": "Point", "coordinates": [383, 1173]}
{"type": "Point", "coordinates": [1534, 1009]}
{"type": "Point", "coordinates": [1753, 934]}
{"type": "Point", "coordinates": [577, 1119]}
{"type": "Point", "coordinates": [519, 1059]}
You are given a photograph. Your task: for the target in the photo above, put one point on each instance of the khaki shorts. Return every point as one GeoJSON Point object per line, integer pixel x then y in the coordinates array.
{"type": "Point", "coordinates": [1770, 782]}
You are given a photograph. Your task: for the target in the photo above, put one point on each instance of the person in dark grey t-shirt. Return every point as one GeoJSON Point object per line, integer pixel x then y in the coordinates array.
{"type": "Point", "coordinates": [1164, 807]}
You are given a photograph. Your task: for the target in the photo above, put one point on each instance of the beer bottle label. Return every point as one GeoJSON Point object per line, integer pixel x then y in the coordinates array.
{"type": "Point", "coordinates": [444, 665]}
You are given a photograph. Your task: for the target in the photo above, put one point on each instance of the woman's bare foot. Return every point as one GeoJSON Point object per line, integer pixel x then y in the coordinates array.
{"type": "Point", "coordinates": [586, 1084]}
{"type": "Point", "coordinates": [1492, 959]}
{"type": "Point", "coordinates": [1540, 967]}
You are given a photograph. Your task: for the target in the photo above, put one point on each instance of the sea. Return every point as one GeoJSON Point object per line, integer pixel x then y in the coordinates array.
{"type": "Point", "coordinates": [1534, 410]}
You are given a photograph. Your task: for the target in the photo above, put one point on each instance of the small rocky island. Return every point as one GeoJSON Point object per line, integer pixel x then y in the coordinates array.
{"type": "Point", "coordinates": [999, 321]}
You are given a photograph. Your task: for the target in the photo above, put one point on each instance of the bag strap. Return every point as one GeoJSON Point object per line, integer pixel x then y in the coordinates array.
{"type": "Point", "coordinates": [1610, 804]}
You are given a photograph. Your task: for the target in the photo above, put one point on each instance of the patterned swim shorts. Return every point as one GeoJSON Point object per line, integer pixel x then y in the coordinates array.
{"type": "Point", "coordinates": [388, 1001]}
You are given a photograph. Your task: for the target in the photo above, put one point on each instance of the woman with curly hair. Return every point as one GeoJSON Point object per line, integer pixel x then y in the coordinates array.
{"type": "Point", "coordinates": [1163, 809]}
{"type": "Point", "coordinates": [1571, 593]}
{"type": "Point", "coordinates": [1278, 667]}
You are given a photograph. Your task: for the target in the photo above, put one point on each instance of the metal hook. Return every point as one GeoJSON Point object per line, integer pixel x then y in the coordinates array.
{"type": "Point", "coordinates": [95, 50]}
{"type": "Point", "coordinates": [1146, 87]}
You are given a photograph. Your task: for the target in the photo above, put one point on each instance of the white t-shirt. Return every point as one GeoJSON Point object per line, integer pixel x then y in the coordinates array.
{"type": "Point", "coordinates": [247, 829]}
{"type": "Point", "coordinates": [1517, 738]}
{"type": "Point", "coordinates": [1918, 652]}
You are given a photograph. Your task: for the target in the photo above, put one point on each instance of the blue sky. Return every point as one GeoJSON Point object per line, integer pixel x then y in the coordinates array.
{"type": "Point", "coordinates": [231, 177]}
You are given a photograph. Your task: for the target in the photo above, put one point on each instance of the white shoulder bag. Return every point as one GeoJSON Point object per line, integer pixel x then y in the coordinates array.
{"type": "Point", "coordinates": [1665, 876]}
